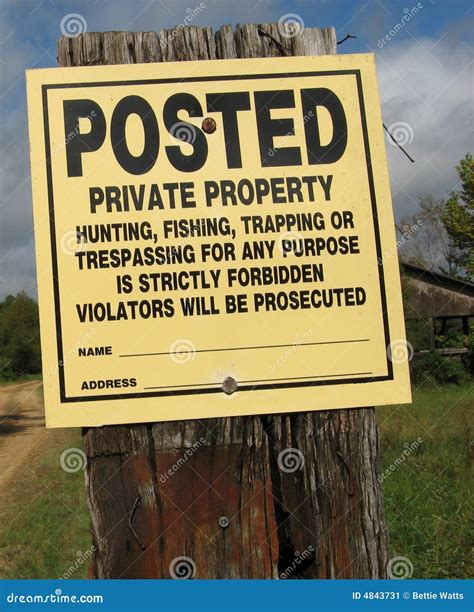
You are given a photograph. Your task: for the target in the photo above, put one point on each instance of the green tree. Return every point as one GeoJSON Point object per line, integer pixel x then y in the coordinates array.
{"type": "Point", "coordinates": [19, 336]}
{"type": "Point", "coordinates": [458, 219]}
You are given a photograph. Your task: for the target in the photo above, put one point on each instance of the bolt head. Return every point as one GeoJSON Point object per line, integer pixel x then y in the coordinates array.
{"type": "Point", "coordinates": [229, 385]}
{"type": "Point", "coordinates": [223, 522]}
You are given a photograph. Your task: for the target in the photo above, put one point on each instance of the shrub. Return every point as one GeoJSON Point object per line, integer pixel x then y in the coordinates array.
{"type": "Point", "coordinates": [436, 368]}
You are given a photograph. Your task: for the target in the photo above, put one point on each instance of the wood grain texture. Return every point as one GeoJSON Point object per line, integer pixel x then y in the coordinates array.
{"type": "Point", "coordinates": [330, 511]}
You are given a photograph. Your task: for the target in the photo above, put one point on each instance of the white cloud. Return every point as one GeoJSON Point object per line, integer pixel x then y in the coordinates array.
{"type": "Point", "coordinates": [428, 85]}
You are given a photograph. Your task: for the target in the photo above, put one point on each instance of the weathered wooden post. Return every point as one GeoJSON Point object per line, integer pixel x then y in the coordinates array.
{"type": "Point", "coordinates": [217, 498]}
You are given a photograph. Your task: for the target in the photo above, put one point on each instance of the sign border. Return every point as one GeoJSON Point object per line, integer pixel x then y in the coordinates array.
{"type": "Point", "coordinates": [194, 389]}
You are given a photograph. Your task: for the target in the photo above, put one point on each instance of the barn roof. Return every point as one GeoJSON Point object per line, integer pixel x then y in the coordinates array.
{"type": "Point", "coordinates": [439, 295]}
{"type": "Point", "coordinates": [437, 278]}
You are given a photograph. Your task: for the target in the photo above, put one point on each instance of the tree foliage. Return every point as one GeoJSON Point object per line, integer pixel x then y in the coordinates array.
{"type": "Point", "coordinates": [440, 235]}
{"type": "Point", "coordinates": [19, 336]}
{"type": "Point", "coordinates": [458, 219]}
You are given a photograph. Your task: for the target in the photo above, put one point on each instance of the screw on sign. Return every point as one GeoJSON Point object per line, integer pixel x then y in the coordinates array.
{"type": "Point", "coordinates": [197, 523]}
{"type": "Point", "coordinates": [209, 125]}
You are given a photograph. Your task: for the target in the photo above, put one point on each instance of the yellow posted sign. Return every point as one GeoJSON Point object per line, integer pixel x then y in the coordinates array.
{"type": "Point", "coordinates": [209, 221]}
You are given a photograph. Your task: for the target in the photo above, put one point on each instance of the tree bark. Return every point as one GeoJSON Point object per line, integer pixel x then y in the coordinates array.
{"type": "Point", "coordinates": [322, 520]}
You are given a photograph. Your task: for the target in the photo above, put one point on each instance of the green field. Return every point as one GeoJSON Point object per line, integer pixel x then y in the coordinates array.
{"type": "Point", "coordinates": [45, 524]}
{"type": "Point", "coordinates": [44, 518]}
{"type": "Point", "coordinates": [428, 497]}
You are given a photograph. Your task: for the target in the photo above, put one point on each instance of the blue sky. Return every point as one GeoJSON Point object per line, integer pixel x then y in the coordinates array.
{"type": "Point", "coordinates": [425, 76]}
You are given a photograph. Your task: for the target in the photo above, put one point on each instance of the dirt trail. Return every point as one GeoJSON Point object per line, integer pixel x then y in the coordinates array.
{"type": "Point", "coordinates": [22, 431]}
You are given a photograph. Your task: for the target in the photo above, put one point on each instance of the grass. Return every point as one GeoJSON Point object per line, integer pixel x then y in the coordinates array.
{"type": "Point", "coordinates": [428, 494]}
{"type": "Point", "coordinates": [45, 523]}
{"type": "Point", "coordinates": [44, 520]}
{"type": "Point", "coordinates": [21, 379]}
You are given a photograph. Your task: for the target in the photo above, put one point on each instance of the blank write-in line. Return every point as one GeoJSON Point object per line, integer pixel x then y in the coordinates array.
{"type": "Point", "coordinates": [246, 382]}
{"type": "Point", "coordinates": [243, 348]}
